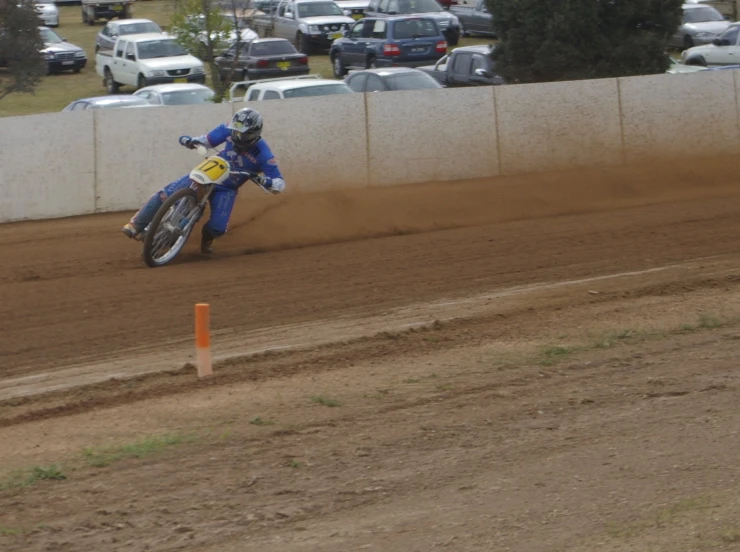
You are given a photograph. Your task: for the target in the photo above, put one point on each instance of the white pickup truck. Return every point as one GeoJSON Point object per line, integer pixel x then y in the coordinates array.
{"type": "Point", "coordinates": [144, 59]}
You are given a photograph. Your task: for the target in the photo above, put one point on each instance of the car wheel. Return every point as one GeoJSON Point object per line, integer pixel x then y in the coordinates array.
{"type": "Point", "coordinates": [140, 82]}
{"type": "Point", "coordinates": [454, 38]}
{"type": "Point", "coordinates": [110, 85]}
{"type": "Point", "coordinates": [688, 42]}
{"type": "Point", "coordinates": [302, 44]}
{"type": "Point", "coordinates": [463, 30]}
{"type": "Point", "coordinates": [371, 63]}
{"type": "Point", "coordinates": [76, 70]}
{"type": "Point", "coordinates": [338, 67]}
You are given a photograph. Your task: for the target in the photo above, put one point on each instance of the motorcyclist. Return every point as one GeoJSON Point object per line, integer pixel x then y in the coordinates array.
{"type": "Point", "coordinates": [245, 149]}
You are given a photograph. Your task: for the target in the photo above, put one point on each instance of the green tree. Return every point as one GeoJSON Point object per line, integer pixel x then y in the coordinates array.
{"type": "Point", "coordinates": [206, 27]}
{"type": "Point", "coordinates": [555, 40]}
{"type": "Point", "coordinates": [21, 62]}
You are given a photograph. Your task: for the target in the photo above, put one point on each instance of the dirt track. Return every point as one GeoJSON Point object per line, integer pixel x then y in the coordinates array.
{"type": "Point", "coordinates": [460, 435]}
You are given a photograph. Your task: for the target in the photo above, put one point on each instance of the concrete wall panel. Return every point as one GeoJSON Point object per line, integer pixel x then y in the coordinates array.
{"type": "Point", "coordinates": [47, 167]}
{"type": "Point", "coordinates": [558, 125]}
{"type": "Point", "coordinates": [426, 135]}
{"type": "Point", "coordinates": [677, 115]}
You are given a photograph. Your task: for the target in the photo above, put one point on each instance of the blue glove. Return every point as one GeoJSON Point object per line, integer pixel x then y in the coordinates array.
{"type": "Point", "coordinates": [187, 141]}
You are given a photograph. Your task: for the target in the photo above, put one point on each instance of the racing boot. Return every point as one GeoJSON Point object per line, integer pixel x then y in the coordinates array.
{"type": "Point", "coordinates": [130, 230]}
{"type": "Point", "coordinates": [206, 242]}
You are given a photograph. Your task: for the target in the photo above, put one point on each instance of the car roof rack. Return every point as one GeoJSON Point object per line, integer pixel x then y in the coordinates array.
{"type": "Point", "coordinates": [247, 83]}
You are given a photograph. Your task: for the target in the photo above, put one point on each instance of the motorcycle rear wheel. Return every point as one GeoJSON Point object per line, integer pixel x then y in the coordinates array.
{"type": "Point", "coordinates": [171, 227]}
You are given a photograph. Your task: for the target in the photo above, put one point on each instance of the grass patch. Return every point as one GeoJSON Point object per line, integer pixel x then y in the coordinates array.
{"type": "Point", "coordinates": [709, 322]}
{"type": "Point", "coordinates": [294, 464]}
{"type": "Point", "coordinates": [554, 354]}
{"type": "Point", "coordinates": [9, 531]}
{"type": "Point", "coordinates": [412, 380]}
{"type": "Point", "coordinates": [261, 421]}
{"type": "Point", "coordinates": [324, 401]}
{"type": "Point", "coordinates": [730, 534]}
{"type": "Point", "coordinates": [103, 456]}
{"type": "Point", "coordinates": [31, 476]}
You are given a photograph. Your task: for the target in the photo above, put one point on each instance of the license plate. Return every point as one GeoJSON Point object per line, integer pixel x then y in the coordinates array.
{"type": "Point", "coordinates": [283, 65]}
{"type": "Point", "coordinates": [417, 50]}
{"type": "Point", "coordinates": [334, 36]}
{"type": "Point", "coordinates": [68, 63]}
{"type": "Point", "coordinates": [181, 79]}
{"type": "Point", "coordinates": [117, 8]}
{"type": "Point", "coordinates": [356, 16]}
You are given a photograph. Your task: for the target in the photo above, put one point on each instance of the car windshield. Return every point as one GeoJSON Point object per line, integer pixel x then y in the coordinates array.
{"type": "Point", "coordinates": [418, 6]}
{"type": "Point", "coordinates": [414, 28]}
{"type": "Point", "coordinates": [275, 48]}
{"type": "Point", "coordinates": [316, 9]}
{"type": "Point", "coordinates": [160, 48]}
{"type": "Point", "coordinates": [139, 28]}
{"type": "Point", "coordinates": [702, 15]}
{"type": "Point", "coordinates": [411, 81]}
{"type": "Point", "coordinates": [187, 97]}
{"type": "Point", "coordinates": [319, 90]}
{"type": "Point", "coordinates": [50, 37]}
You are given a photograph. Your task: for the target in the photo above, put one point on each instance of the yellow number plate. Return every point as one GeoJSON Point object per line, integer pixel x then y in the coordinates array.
{"type": "Point", "coordinates": [283, 65]}
{"type": "Point", "coordinates": [213, 167]}
{"type": "Point", "coordinates": [117, 8]}
{"type": "Point", "coordinates": [357, 16]}
{"type": "Point", "coordinates": [336, 35]}
{"type": "Point", "coordinates": [181, 80]}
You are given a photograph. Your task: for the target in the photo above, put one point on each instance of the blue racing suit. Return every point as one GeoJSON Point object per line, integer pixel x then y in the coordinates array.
{"type": "Point", "coordinates": [258, 159]}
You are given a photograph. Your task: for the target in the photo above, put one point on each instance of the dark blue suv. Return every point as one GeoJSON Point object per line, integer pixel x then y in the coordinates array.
{"type": "Point", "coordinates": [406, 41]}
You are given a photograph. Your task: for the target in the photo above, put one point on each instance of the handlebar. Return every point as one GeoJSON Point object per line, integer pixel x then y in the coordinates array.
{"type": "Point", "coordinates": [203, 150]}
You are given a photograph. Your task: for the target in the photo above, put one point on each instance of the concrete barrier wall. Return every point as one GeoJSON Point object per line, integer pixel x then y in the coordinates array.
{"type": "Point", "coordinates": [423, 135]}
{"type": "Point", "coordinates": [47, 166]}
{"type": "Point", "coordinates": [679, 115]}
{"type": "Point", "coordinates": [558, 125]}
{"type": "Point", "coordinates": [61, 164]}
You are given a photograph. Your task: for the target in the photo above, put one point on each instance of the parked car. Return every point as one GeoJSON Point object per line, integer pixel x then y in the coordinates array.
{"type": "Point", "coordinates": [723, 51]}
{"type": "Point", "coordinates": [394, 41]}
{"type": "Point", "coordinates": [106, 102]}
{"type": "Point", "coordinates": [726, 7]}
{"type": "Point", "coordinates": [475, 19]}
{"type": "Point", "coordinates": [678, 68]}
{"type": "Point", "coordinates": [92, 10]}
{"type": "Point", "coordinates": [390, 78]}
{"type": "Point", "coordinates": [47, 11]}
{"type": "Point", "coordinates": [309, 24]}
{"type": "Point", "coordinates": [176, 94]}
{"type": "Point", "coordinates": [145, 59]}
{"type": "Point", "coordinates": [261, 58]}
{"type": "Point", "coordinates": [290, 87]}
{"type": "Point", "coordinates": [353, 8]}
{"type": "Point", "coordinates": [448, 22]}
{"type": "Point", "coordinates": [466, 66]}
{"type": "Point", "coordinates": [113, 29]}
{"type": "Point", "coordinates": [59, 54]}
{"type": "Point", "coordinates": [701, 24]}
{"type": "Point", "coordinates": [224, 40]}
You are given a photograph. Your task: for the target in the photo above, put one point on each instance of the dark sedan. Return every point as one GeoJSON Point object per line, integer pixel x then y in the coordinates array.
{"type": "Point", "coordinates": [59, 54]}
{"type": "Point", "coordinates": [390, 78]}
{"type": "Point", "coordinates": [260, 59]}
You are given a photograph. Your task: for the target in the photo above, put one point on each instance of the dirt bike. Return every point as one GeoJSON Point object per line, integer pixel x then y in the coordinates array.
{"type": "Point", "coordinates": [166, 235]}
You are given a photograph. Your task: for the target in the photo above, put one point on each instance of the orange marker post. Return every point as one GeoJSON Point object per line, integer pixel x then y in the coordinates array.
{"type": "Point", "coordinates": [203, 340]}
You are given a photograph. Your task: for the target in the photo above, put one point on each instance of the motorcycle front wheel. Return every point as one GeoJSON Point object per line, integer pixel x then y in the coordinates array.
{"type": "Point", "coordinates": [171, 227]}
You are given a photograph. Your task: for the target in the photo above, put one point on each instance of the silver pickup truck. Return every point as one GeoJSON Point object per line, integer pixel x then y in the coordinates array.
{"type": "Point", "coordinates": [309, 24]}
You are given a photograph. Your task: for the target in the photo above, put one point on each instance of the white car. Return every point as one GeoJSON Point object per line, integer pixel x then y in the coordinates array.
{"type": "Point", "coordinates": [291, 87]}
{"type": "Point", "coordinates": [47, 12]}
{"type": "Point", "coordinates": [723, 51]}
{"type": "Point", "coordinates": [176, 94]}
